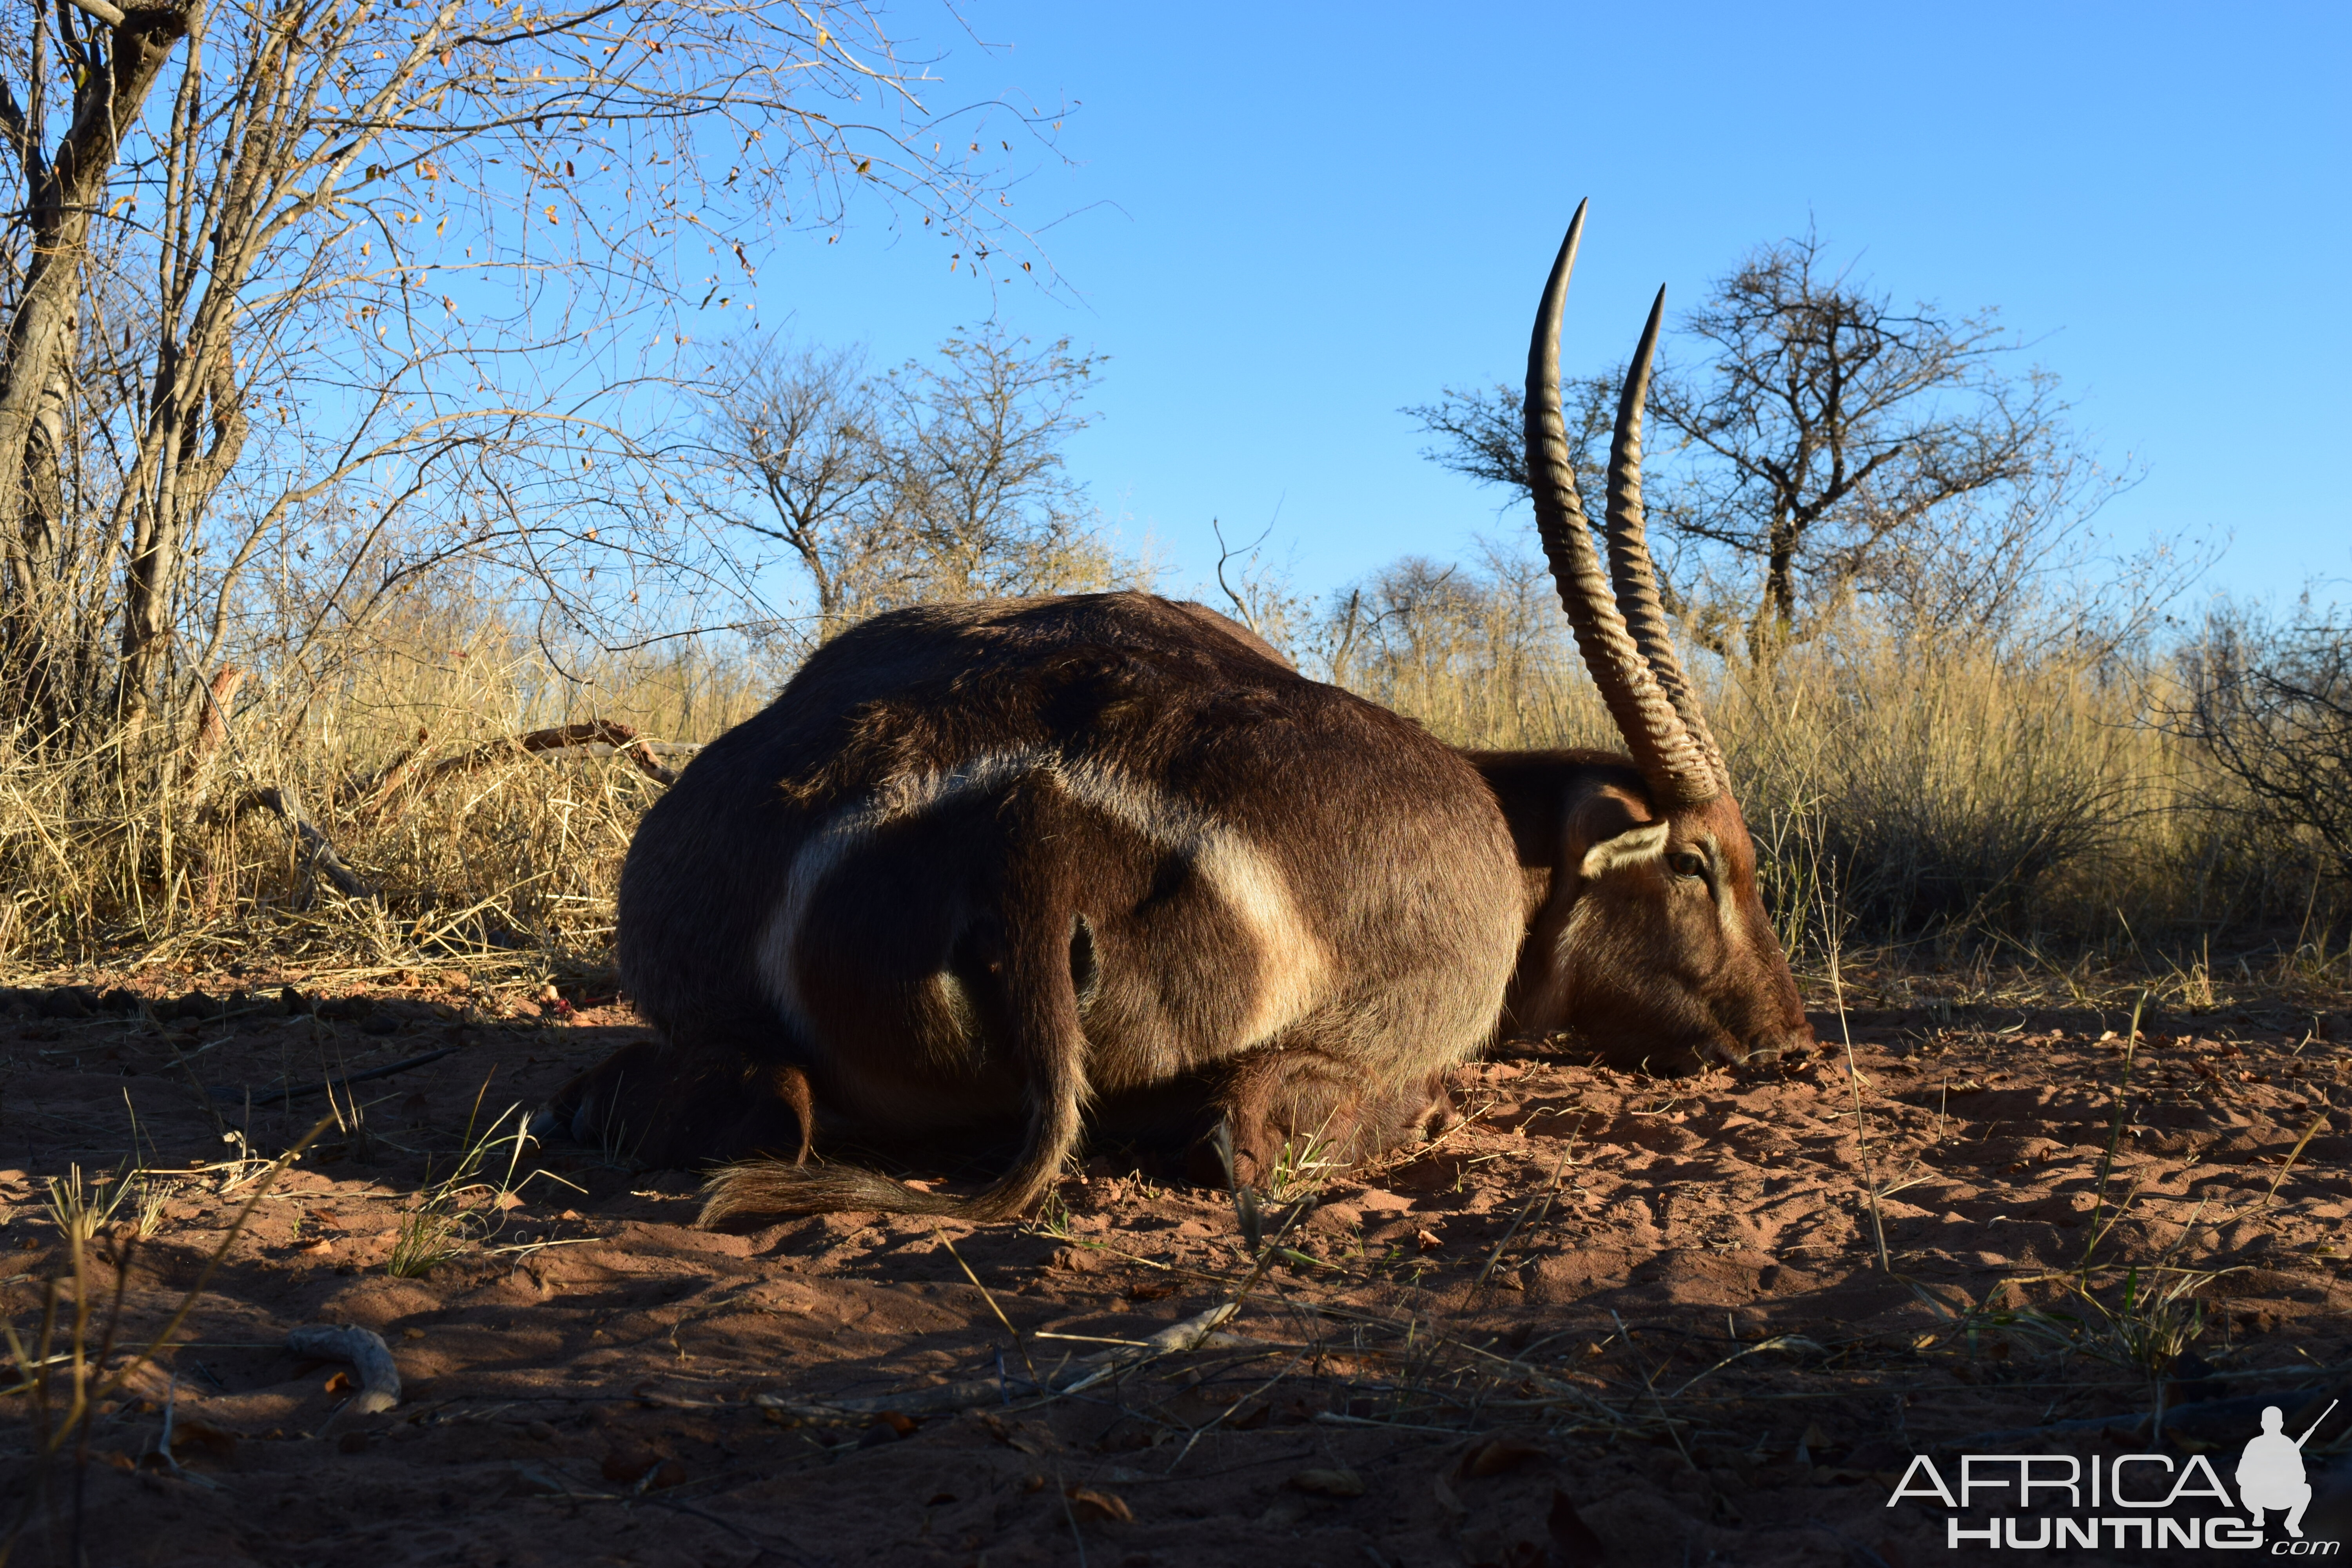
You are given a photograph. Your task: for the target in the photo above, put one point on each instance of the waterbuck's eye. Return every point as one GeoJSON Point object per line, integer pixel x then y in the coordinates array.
{"type": "Point", "coordinates": [1685, 864]}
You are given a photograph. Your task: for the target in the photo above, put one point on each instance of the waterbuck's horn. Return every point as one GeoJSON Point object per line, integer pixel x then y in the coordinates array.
{"type": "Point", "coordinates": [1631, 571]}
{"type": "Point", "coordinates": [1670, 753]}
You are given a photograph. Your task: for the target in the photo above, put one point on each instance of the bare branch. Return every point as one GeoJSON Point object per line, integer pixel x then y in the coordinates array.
{"type": "Point", "coordinates": [99, 9]}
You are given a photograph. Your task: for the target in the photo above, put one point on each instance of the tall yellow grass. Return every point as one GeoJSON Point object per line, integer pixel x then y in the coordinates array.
{"type": "Point", "coordinates": [1900, 792]}
{"type": "Point", "coordinates": [1905, 787]}
{"type": "Point", "coordinates": [518, 857]}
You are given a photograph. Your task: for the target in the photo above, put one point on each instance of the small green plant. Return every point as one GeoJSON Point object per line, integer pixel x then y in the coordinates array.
{"type": "Point", "coordinates": [147, 1215]}
{"type": "Point", "coordinates": [2156, 1317]}
{"type": "Point", "coordinates": [1053, 1217]}
{"type": "Point", "coordinates": [427, 1239]}
{"type": "Point", "coordinates": [1302, 1167]}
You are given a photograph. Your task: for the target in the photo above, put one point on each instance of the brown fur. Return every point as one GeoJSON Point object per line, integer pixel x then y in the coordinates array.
{"type": "Point", "coordinates": [1651, 967]}
{"type": "Point", "coordinates": [995, 861]}
{"type": "Point", "coordinates": [992, 862]}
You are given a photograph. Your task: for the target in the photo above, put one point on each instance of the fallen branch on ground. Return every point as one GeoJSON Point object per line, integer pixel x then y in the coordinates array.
{"type": "Point", "coordinates": [322, 856]}
{"type": "Point", "coordinates": [619, 740]}
{"type": "Point", "coordinates": [367, 1352]}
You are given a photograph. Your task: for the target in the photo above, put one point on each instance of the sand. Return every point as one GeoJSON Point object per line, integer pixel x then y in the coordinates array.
{"type": "Point", "coordinates": [1610, 1317]}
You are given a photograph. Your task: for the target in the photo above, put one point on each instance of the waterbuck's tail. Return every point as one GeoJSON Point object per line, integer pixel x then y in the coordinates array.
{"type": "Point", "coordinates": [1046, 942]}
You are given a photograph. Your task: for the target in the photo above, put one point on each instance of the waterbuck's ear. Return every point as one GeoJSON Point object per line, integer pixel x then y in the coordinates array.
{"type": "Point", "coordinates": [1610, 827]}
{"type": "Point", "coordinates": [1646, 842]}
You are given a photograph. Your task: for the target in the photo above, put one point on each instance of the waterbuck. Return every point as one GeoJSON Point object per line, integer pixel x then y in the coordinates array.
{"type": "Point", "coordinates": [1007, 862]}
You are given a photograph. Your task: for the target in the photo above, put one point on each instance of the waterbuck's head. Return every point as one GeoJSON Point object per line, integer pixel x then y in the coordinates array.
{"type": "Point", "coordinates": [1647, 932]}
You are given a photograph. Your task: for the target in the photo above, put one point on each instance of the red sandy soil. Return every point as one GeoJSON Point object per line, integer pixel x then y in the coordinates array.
{"type": "Point", "coordinates": [1609, 1318]}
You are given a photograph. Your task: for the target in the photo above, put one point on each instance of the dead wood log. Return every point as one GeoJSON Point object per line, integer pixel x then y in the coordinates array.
{"type": "Point", "coordinates": [368, 797]}
{"type": "Point", "coordinates": [623, 741]}
{"type": "Point", "coordinates": [599, 737]}
{"type": "Point", "coordinates": [322, 856]}
{"type": "Point", "coordinates": [367, 1352]}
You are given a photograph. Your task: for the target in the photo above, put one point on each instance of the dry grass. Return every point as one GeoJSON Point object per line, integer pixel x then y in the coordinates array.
{"type": "Point", "coordinates": [1946, 802]}
{"type": "Point", "coordinates": [1941, 807]}
{"type": "Point", "coordinates": [84, 1348]}
{"type": "Point", "coordinates": [514, 859]}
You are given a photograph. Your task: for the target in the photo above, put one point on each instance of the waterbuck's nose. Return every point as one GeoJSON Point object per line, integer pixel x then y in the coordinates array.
{"type": "Point", "coordinates": [1784, 1042]}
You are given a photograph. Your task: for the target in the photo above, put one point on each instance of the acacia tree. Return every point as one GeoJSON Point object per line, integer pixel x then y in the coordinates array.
{"type": "Point", "coordinates": [383, 282]}
{"type": "Point", "coordinates": [942, 479]}
{"type": "Point", "coordinates": [1826, 443]}
{"type": "Point", "coordinates": [1831, 424]}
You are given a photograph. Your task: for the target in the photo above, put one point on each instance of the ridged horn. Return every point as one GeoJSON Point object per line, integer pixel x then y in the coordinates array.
{"type": "Point", "coordinates": [1631, 571]}
{"type": "Point", "coordinates": [1664, 747]}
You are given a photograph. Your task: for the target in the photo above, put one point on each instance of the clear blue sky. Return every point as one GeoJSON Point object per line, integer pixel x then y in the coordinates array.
{"type": "Point", "coordinates": [1298, 218]}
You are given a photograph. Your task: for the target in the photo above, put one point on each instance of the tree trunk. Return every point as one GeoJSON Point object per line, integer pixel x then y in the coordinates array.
{"type": "Point", "coordinates": [37, 356]}
{"type": "Point", "coordinates": [1777, 619]}
{"type": "Point", "coordinates": [62, 202]}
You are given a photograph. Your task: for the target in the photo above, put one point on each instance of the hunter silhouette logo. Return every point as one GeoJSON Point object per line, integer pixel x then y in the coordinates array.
{"type": "Point", "coordinates": [2270, 1472]}
{"type": "Point", "coordinates": [2153, 1501]}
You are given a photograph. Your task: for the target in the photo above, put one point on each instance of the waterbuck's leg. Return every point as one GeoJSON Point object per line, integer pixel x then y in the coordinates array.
{"type": "Point", "coordinates": [1320, 1106]}
{"type": "Point", "coordinates": [687, 1106]}
{"type": "Point", "coordinates": [791, 1087]}
{"type": "Point", "coordinates": [597, 1107]}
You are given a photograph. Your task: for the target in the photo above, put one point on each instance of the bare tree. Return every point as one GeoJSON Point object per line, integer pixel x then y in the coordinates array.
{"type": "Point", "coordinates": [1258, 591]}
{"type": "Point", "coordinates": [1482, 432]}
{"type": "Point", "coordinates": [424, 266]}
{"type": "Point", "coordinates": [1830, 444]}
{"type": "Point", "coordinates": [800, 426]}
{"type": "Point", "coordinates": [1830, 423]}
{"type": "Point", "coordinates": [1480, 653]}
{"type": "Point", "coordinates": [2273, 705]}
{"type": "Point", "coordinates": [979, 473]}
{"type": "Point", "coordinates": [944, 480]}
